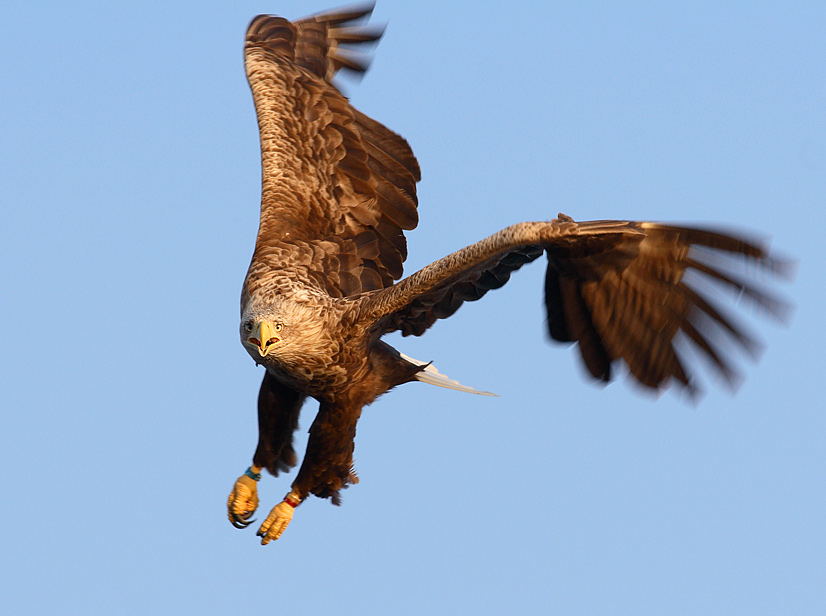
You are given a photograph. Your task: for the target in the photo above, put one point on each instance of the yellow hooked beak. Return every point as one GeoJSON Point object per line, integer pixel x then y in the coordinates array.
{"type": "Point", "coordinates": [263, 336]}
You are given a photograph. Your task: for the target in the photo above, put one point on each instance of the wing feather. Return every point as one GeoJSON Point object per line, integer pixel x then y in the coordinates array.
{"type": "Point", "coordinates": [617, 289]}
{"type": "Point", "coordinates": [331, 177]}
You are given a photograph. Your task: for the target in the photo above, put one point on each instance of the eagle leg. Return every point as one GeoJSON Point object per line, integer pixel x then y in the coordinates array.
{"type": "Point", "coordinates": [279, 518]}
{"type": "Point", "coordinates": [243, 501]}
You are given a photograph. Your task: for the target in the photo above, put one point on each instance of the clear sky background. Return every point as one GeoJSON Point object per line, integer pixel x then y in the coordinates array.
{"type": "Point", "coordinates": [129, 194]}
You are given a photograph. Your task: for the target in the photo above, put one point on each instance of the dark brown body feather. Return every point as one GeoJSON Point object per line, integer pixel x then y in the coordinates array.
{"type": "Point", "coordinates": [338, 192]}
{"type": "Point", "coordinates": [278, 410]}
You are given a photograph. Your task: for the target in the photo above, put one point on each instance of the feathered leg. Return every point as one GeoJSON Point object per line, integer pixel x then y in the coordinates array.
{"type": "Point", "coordinates": [327, 466]}
{"type": "Point", "coordinates": [278, 410]}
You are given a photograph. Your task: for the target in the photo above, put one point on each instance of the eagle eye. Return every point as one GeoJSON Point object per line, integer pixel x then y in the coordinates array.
{"type": "Point", "coordinates": [278, 327]}
{"type": "Point", "coordinates": [247, 327]}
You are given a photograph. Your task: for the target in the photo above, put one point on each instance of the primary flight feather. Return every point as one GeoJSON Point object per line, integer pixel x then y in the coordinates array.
{"type": "Point", "coordinates": [323, 287]}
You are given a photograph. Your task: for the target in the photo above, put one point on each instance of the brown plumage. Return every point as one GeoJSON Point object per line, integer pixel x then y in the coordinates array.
{"type": "Point", "coordinates": [338, 192]}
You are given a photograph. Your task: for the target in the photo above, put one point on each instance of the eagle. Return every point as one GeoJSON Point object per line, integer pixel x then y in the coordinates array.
{"type": "Point", "coordinates": [325, 281]}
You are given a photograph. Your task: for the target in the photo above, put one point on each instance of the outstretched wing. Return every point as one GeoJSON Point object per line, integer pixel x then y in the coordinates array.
{"type": "Point", "coordinates": [338, 189]}
{"type": "Point", "coordinates": [464, 284]}
{"type": "Point", "coordinates": [624, 291]}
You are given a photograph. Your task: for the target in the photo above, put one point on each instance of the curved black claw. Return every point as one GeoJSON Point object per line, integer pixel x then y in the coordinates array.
{"type": "Point", "coordinates": [241, 521]}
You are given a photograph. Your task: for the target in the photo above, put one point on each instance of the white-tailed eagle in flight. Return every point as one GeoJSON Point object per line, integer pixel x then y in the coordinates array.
{"type": "Point", "coordinates": [325, 282]}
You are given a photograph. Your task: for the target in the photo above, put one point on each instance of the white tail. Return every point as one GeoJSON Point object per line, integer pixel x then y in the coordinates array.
{"type": "Point", "coordinates": [433, 377]}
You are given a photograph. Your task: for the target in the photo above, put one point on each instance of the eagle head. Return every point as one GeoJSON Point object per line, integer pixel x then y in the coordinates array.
{"type": "Point", "coordinates": [284, 334]}
{"type": "Point", "coordinates": [261, 335]}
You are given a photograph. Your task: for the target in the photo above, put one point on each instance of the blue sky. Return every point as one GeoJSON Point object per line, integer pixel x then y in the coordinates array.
{"type": "Point", "coordinates": [129, 191]}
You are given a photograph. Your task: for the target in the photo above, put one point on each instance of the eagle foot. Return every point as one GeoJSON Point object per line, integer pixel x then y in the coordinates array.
{"type": "Point", "coordinates": [242, 502]}
{"type": "Point", "coordinates": [279, 518]}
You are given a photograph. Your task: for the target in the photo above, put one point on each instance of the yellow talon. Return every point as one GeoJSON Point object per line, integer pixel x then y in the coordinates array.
{"type": "Point", "coordinates": [279, 518]}
{"type": "Point", "coordinates": [242, 502]}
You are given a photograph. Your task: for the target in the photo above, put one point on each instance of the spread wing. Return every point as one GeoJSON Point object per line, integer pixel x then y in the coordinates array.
{"type": "Point", "coordinates": [338, 188]}
{"type": "Point", "coordinates": [630, 292]}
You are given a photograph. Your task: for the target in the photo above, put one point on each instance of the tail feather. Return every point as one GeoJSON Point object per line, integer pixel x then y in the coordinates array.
{"type": "Point", "coordinates": [431, 376]}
